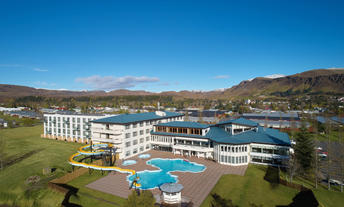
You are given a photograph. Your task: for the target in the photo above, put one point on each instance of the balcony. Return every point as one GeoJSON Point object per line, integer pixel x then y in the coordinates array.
{"type": "Point", "coordinates": [66, 122]}
{"type": "Point", "coordinates": [193, 148]}
{"type": "Point", "coordinates": [107, 131]}
{"type": "Point", "coordinates": [76, 128]}
{"type": "Point", "coordinates": [106, 140]}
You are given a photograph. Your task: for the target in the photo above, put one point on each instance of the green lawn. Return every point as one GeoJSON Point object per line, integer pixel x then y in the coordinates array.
{"type": "Point", "coordinates": [325, 197]}
{"type": "Point", "coordinates": [257, 187]}
{"type": "Point", "coordinates": [80, 198]}
{"type": "Point", "coordinates": [25, 155]}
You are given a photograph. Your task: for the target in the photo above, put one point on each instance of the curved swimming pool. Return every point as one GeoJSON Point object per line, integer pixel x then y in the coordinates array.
{"type": "Point", "coordinates": [153, 179]}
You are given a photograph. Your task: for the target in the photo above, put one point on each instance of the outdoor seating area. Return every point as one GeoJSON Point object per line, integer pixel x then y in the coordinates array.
{"type": "Point", "coordinates": [196, 185]}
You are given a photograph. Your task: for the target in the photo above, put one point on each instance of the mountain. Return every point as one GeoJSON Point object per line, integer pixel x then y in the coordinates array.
{"type": "Point", "coordinates": [309, 82]}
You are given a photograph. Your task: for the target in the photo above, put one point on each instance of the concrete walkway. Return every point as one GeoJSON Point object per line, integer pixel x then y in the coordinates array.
{"type": "Point", "coordinates": [197, 186]}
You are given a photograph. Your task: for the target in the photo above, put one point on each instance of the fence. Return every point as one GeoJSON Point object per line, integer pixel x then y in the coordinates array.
{"type": "Point", "coordinates": [54, 184]}
{"type": "Point", "coordinates": [300, 188]}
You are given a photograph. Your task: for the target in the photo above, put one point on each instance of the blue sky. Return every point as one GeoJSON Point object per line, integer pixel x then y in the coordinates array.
{"type": "Point", "coordinates": [165, 45]}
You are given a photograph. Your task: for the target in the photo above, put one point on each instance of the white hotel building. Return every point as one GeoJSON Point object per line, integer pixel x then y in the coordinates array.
{"type": "Point", "coordinates": [69, 127]}
{"type": "Point", "coordinates": [235, 142]}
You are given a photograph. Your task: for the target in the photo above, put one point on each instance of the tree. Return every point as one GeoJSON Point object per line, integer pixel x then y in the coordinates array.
{"type": "Point", "coordinates": [292, 125]}
{"type": "Point", "coordinates": [1, 152]}
{"type": "Point", "coordinates": [145, 199]}
{"type": "Point", "coordinates": [221, 202]}
{"type": "Point", "coordinates": [293, 166]}
{"type": "Point", "coordinates": [304, 147]}
{"type": "Point", "coordinates": [200, 117]}
{"type": "Point", "coordinates": [186, 118]}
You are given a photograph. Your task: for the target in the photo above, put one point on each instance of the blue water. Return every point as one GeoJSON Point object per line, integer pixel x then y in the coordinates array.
{"type": "Point", "coordinates": [144, 156]}
{"type": "Point", "coordinates": [153, 179]}
{"type": "Point", "coordinates": [129, 162]}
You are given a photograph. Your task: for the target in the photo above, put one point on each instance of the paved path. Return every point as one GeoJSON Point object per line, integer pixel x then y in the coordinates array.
{"type": "Point", "coordinates": [197, 186]}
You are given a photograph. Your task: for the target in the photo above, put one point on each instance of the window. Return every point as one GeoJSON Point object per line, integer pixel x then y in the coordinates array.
{"type": "Point", "coordinates": [134, 134]}
{"type": "Point", "coordinates": [221, 158]}
{"type": "Point", "coordinates": [147, 131]}
{"type": "Point", "coordinates": [147, 123]}
{"type": "Point", "coordinates": [232, 149]}
{"type": "Point", "coordinates": [147, 139]}
{"type": "Point", "coordinates": [147, 146]}
{"type": "Point", "coordinates": [237, 160]}
{"type": "Point", "coordinates": [127, 126]}
{"type": "Point", "coordinates": [141, 124]}
{"type": "Point", "coordinates": [135, 151]}
{"type": "Point", "coordinates": [221, 148]}
{"type": "Point", "coordinates": [245, 149]}
{"type": "Point", "coordinates": [127, 144]}
{"type": "Point", "coordinates": [142, 140]}
{"type": "Point", "coordinates": [236, 149]}
{"type": "Point", "coordinates": [135, 125]}
{"type": "Point", "coordinates": [229, 159]}
{"type": "Point", "coordinates": [141, 132]}
{"type": "Point", "coordinates": [142, 148]}
{"type": "Point", "coordinates": [245, 159]}
{"type": "Point", "coordinates": [135, 142]}
{"type": "Point", "coordinates": [233, 160]}
{"type": "Point", "coordinates": [127, 135]}
{"type": "Point", "coordinates": [127, 153]}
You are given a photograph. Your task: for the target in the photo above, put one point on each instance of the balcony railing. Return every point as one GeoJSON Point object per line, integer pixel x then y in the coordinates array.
{"type": "Point", "coordinates": [107, 131]}
{"type": "Point", "coordinates": [110, 140]}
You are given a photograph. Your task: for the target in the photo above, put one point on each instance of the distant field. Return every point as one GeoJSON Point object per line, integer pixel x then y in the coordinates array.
{"type": "Point", "coordinates": [25, 155]}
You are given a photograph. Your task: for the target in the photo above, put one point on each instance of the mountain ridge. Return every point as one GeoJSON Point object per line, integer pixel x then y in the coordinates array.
{"type": "Point", "coordinates": [312, 81]}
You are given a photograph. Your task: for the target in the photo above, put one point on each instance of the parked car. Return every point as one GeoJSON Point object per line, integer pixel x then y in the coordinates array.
{"type": "Point", "coordinates": [325, 158]}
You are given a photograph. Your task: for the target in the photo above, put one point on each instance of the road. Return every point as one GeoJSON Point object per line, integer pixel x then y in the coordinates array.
{"type": "Point", "coordinates": [334, 152]}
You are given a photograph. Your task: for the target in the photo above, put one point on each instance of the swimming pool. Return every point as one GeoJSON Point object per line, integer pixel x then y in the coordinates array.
{"type": "Point", "coordinates": [150, 179]}
{"type": "Point", "coordinates": [144, 156]}
{"type": "Point", "coordinates": [129, 162]}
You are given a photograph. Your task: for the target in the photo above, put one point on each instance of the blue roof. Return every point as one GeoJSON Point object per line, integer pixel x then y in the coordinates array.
{"type": "Point", "coordinates": [185, 124]}
{"type": "Point", "coordinates": [130, 118]}
{"type": "Point", "coordinates": [337, 119]}
{"type": "Point", "coordinates": [263, 136]}
{"type": "Point", "coordinates": [240, 121]}
{"type": "Point", "coordinates": [321, 119]}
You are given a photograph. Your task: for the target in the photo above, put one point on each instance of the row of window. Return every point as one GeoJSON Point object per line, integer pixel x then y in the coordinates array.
{"type": "Point", "coordinates": [149, 123]}
{"type": "Point", "coordinates": [127, 135]}
{"type": "Point", "coordinates": [74, 132]}
{"type": "Point", "coordinates": [66, 119]}
{"type": "Point", "coordinates": [135, 151]}
{"type": "Point", "coordinates": [233, 160]}
{"type": "Point", "coordinates": [269, 150]}
{"type": "Point", "coordinates": [135, 142]}
{"type": "Point", "coordinates": [233, 149]}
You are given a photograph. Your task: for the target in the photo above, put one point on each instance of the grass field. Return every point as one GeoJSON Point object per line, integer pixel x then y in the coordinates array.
{"type": "Point", "coordinates": [83, 196]}
{"type": "Point", "coordinates": [25, 155]}
{"type": "Point", "coordinates": [325, 197]}
{"type": "Point", "coordinates": [257, 186]}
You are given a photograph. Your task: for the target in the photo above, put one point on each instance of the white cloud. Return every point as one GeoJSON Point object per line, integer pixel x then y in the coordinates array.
{"type": "Point", "coordinates": [111, 82]}
{"type": "Point", "coordinates": [9, 65]}
{"type": "Point", "coordinates": [164, 84]}
{"type": "Point", "coordinates": [40, 70]}
{"type": "Point", "coordinates": [43, 83]}
{"type": "Point", "coordinates": [176, 83]}
{"type": "Point", "coordinates": [275, 76]}
{"type": "Point", "coordinates": [221, 76]}
{"type": "Point", "coordinates": [334, 68]}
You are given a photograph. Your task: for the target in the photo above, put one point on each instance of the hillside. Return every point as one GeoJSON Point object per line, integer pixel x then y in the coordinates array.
{"type": "Point", "coordinates": [310, 82]}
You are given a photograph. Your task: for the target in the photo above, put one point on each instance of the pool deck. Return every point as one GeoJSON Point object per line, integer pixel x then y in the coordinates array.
{"type": "Point", "coordinates": [197, 186]}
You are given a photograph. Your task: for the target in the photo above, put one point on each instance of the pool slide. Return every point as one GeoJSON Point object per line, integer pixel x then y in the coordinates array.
{"type": "Point", "coordinates": [81, 151]}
